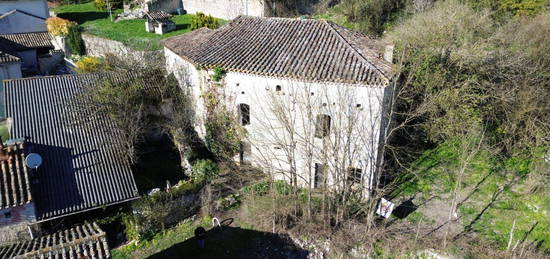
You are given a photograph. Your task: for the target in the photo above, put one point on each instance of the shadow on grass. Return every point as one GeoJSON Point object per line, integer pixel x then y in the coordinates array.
{"type": "Point", "coordinates": [182, 26]}
{"type": "Point", "coordinates": [82, 17]}
{"type": "Point", "coordinates": [234, 242]}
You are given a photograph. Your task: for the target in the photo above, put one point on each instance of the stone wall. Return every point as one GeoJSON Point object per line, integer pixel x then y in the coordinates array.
{"type": "Point", "coordinates": [169, 6]}
{"type": "Point", "coordinates": [100, 47]}
{"type": "Point", "coordinates": [226, 9]}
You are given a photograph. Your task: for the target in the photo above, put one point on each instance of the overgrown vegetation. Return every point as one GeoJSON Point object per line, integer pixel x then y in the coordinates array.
{"type": "Point", "coordinates": [223, 130]}
{"type": "Point", "coordinates": [475, 87]}
{"type": "Point", "coordinates": [75, 42]}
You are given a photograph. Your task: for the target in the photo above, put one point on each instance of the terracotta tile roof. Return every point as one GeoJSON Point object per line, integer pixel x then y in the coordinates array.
{"type": "Point", "coordinates": [86, 241]}
{"type": "Point", "coordinates": [80, 171]}
{"type": "Point", "coordinates": [15, 187]}
{"type": "Point", "coordinates": [305, 49]}
{"type": "Point", "coordinates": [24, 41]}
{"type": "Point", "coordinates": [158, 16]}
{"type": "Point", "coordinates": [7, 58]}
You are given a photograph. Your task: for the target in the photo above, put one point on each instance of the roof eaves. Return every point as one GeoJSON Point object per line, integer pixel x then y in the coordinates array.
{"type": "Point", "coordinates": [355, 51]}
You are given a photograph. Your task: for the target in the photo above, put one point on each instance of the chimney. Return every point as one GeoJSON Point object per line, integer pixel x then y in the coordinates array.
{"type": "Point", "coordinates": [388, 53]}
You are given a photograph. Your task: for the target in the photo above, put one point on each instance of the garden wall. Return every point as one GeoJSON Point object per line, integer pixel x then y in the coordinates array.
{"type": "Point", "coordinates": [100, 47]}
{"type": "Point", "coordinates": [225, 9]}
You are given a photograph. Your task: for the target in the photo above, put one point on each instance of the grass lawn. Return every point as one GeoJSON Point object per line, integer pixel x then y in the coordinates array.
{"type": "Point", "coordinates": [130, 32]}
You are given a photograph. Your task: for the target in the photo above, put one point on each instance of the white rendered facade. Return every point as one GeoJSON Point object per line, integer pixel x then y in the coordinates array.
{"type": "Point", "coordinates": [282, 126]}
{"type": "Point", "coordinates": [225, 9]}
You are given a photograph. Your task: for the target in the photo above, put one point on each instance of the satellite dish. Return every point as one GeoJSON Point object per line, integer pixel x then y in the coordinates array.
{"type": "Point", "coordinates": [33, 160]}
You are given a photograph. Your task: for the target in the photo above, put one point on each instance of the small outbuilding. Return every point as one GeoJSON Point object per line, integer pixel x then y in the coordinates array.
{"type": "Point", "coordinates": [159, 22]}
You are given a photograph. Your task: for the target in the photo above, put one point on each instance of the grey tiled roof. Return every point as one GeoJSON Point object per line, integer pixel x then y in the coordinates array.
{"type": "Point", "coordinates": [24, 41]}
{"type": "Point", "coordinates": [19, 11]}
{"type": "Point", "coordinates": [81, 169]}
{"type": "Point", "coordinates": [306, 49]}
{"type": "Point", "coordinates": [158, 16]}
{"type": "Point", "coordinates": [7, 58]}
{"type": "Point", "coordinates": [15, 187]}
{"type": "Point", "coordinates": [86, 241]}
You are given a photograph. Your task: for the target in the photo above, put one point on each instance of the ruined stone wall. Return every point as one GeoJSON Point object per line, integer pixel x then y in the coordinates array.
{"type": "Point", "coordinates": [226, 9]}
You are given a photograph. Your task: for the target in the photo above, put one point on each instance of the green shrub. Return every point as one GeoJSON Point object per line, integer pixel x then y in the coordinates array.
{"type": "Point", "coordinates": [218, 74]}
{"type": "Point", "coordinates": [74, 41]}
{"type": "Point", "coordinates": [204, 170]}
{"type": "Point", "coordinates": [201, 20]}
{"type": "Point", "coordinates": [88, 65]}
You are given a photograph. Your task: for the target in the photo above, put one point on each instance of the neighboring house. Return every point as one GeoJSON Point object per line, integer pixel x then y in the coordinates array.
{"type": "Point", "coordinates": [159, 22]}
{"type": "Point", "coordinates": [17, 208]}
{"type": "Point", "coordinates": [328, 83]}
{"type": "Point", "coordinates": [35, 50]}
{"type": "Point", "coordinates": [17, 21]}
{"type": "Point", "coordinates": [86, 241]}
{"type": "Point", "coordinates": [226, 9]}
{"type": "Point", "coordinates": [10, 66]}
{"type": "Point", "coordinates": [81, 170]}
{"type": "Point", "coordinates": [37, 8]}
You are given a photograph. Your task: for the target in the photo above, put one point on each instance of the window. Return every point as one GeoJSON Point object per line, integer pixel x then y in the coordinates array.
{"type": "Point", "coordinates": [244, 112]}
{"type": "Point", "coordinates": [7, 214]}
{"type": "Point", "coordinates": [354, 175]}
{"type": "Point", "coordinates": [320, 172]}
{"type": "Point", "coordinates": [278, 88]}
{"type": "Point", "coordinates": [322, 126]}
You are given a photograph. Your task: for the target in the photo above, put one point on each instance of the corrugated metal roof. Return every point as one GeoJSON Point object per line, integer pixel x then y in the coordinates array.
{"type": "Point", "coordinates": [15, 187]}
{"type": "Point", "coordinates": [81, 169]}
{"type": "Point", "coordinates": [305, 49]}
{"type": "Point", "coordinates": [86, 241]}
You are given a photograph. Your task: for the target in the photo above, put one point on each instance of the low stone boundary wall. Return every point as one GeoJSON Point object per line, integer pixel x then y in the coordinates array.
{"type": "Point", "coordinates": [100, 47]}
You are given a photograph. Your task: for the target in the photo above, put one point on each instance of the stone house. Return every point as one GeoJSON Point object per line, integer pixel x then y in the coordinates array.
{"type": "Point", "coordinates": [35, 52]}
{"type": "Point", "coordinates": [159, 22]}
{"type": "Point", "coordinates": [311, 95]}
{"type": "Point", "coordinates": [81, 168]}
{"type": "Point", "coordinates": [17, 208]}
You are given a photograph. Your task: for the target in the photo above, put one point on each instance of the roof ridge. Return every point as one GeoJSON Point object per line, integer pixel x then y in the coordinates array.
{"type": "Point", "coordinates": [354, 50]}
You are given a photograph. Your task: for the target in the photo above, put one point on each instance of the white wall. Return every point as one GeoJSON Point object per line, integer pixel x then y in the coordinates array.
{"type": "Point", "coordinates": [225, 9]}
{"type": "Point", "coordinates": [36, 7]}
{"type": "Point", "coordinates": [20, 23]}
{"type": "Point", "coordinates": [10, 71]}
{"type": "Point", "coordinates": [355, 131]}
